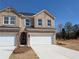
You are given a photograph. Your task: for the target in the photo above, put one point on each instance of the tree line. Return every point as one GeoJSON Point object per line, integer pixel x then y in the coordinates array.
{"type": "Point", "coordinates": [68, 31]}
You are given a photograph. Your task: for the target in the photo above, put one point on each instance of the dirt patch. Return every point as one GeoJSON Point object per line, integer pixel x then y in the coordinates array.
{"type": "Point", "coordinates": [72, 43]}
{"type": "Point", "coordinates": [23, 53]}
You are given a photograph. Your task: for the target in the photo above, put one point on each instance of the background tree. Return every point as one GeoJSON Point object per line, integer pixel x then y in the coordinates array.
{"type": "Point", "coordinates": [77, 33]}
{"type": "Point", "coordinates": [59, 31]}
{"type": "Point", "coordinates": [68, 27]}
{"type": "Point", "coordinates": [68, 31]}
{"type": "Point", "coordinates": [63, 33]}
{"type": "Point", "coordinates": [75, 30]}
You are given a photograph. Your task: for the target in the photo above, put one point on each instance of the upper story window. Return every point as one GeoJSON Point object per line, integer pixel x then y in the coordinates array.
{"type": "Point", "coordinates": [40, 22]}
{"type": "Point", "coordinates": [49, 23]}
{"type": "Point", "coordinates": [28, 23]}
{"type": "Point", "coordinates": [9, 20]}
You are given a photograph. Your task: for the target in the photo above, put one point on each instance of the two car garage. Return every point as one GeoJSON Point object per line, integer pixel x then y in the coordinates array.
{"type": "Point", "coordinates": [35, 38]}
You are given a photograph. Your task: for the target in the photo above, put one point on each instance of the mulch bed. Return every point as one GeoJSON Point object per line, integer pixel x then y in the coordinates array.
{"type": "Point", "coordinates": [23, 52]}
{"type": "Point", "coordinates": [22, 49]}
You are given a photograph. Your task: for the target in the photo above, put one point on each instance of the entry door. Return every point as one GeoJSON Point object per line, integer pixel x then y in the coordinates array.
{"type": "Point", "coordinates": [23, 38]}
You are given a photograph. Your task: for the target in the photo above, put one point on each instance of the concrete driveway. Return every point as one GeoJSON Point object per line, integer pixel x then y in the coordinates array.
{"type": "Point", "coordinates": [54, 52]}
{"type": "Point", "coordinates": [5, 51]}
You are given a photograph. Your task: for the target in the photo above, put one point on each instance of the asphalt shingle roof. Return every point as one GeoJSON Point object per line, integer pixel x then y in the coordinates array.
{"type": "Point", "coordinates": [27, 13]}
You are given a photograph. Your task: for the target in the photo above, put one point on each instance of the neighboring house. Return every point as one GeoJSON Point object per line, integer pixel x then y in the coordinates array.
{"type": "Point", "coordinates": [20, 28]}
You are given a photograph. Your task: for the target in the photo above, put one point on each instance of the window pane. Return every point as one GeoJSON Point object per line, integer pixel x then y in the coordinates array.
{"type": "Point", "coordinates": [27, 20]}
{"type": "Point", "coordinates": [12, 20]}
{"type": "Point", "coordinates": [49, 22]}
{"type": "Point", "coordinates": [28, 23]}
{"type": "Point", "coordinates": [6, 20]}
{"type": "Point", "coordinates": [39, 21]}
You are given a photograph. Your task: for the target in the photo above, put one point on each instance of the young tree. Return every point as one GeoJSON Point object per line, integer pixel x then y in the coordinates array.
{"type": "Point", "coordinates": [63, 33]}
{"type": "Point", "coordinates": [59, 35]}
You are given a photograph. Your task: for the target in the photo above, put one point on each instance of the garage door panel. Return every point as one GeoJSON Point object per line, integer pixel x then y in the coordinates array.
{"type": "Point", "coordinates": [40, 40]}
{"type": "Point", "coordinates": [7, 40]}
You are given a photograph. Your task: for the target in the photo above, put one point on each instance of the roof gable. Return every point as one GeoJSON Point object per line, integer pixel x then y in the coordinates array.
{"type": "Point", "coordinates": [45, 11]}
{"type": "Point", "coordinates": [9, 9]}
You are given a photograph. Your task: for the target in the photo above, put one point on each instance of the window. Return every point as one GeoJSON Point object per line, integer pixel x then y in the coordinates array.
{"type": "Point", "coordinates": [9, 20]}
{"type": "Point", "coordinates": [12, 21]}
{"type": "Point", "coordinates": [39, 21]}
{"type": "Point", "coordinates": [6, 20]}
{"type": "Point", "coordinates": [49, 23]}
{"type": "Point", "coordinates": [28, 23]}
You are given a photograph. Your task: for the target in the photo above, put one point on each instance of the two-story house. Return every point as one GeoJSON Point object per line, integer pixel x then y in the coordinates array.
{"type": "Point", "coordinates": [21, 28]}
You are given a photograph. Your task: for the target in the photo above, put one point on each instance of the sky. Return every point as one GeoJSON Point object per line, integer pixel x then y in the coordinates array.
{"type": "Point", "coordinates": [63, 10]}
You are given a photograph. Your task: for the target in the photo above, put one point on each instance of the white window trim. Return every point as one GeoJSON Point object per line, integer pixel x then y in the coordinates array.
{"type": "Point", "coordinates": [50, 24]}
{"type": "Point", "coordinates": [9, 21]}
{"type": "Point", "coordinates": [38, 23]}
{"type": "Point", "coordinates": [25, 22]}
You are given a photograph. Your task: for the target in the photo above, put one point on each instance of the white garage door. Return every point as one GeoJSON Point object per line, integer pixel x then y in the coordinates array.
{"type": "Point", "coordinates": [40, 40]}
{"type": "Point", "coordinates": [7, 40]}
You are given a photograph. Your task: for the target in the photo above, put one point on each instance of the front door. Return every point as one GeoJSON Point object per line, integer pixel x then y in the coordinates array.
{"type": "Point", "coordinates": [23, 38]}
